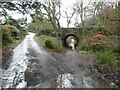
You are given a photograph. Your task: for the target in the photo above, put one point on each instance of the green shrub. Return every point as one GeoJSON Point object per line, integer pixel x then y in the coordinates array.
{"type": "Point", "coordinates": [106, 57]}
{"type": "Point", "coordinates": [83, 46]}
{"type": "Point", "coordinates": [49, 44]}
{"type": "Point", "coordinates": [9, 34]}
{"type": "Point", "coordinates": [53, 43]}
{"type": "Point", "coordinates": [23, 31]}
{"type": "Point", "coordinates": [6, 39]}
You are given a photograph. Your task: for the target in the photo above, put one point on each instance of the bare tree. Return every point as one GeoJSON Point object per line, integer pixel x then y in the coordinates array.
{"type": "Point", "coordinates": [52, 9]}
{"type": "Point", "coordinates": [80, 9]}
{"type": "Point", "coordinates": [100, 12]}
{"type": "Point", "coordinates": [53, 12]}
{"type": "Point", "coordinates": [69, 16]}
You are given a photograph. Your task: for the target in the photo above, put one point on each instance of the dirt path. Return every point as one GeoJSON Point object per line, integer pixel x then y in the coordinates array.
{"type": "Point", "coordinates": [32, 66]}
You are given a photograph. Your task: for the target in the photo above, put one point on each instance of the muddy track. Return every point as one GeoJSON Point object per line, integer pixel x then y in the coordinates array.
{"type": "Point", "coordinates": [32, 66]}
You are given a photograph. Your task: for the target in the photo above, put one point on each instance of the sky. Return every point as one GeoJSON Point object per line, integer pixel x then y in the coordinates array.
{"type": "Point", "coordinates": [66, 5]}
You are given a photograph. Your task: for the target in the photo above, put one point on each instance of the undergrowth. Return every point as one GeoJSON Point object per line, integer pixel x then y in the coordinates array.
{"type": "Point", "coordinates": [106, 57]}
{"type": "Point", "coordinates": [50, 43]}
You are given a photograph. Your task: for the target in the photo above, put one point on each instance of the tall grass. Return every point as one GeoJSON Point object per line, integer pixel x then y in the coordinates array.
{"type": "Point", "coordinates": [83, 46]}
{"type": "Point", "coordinates": [51, 43]}
{"type": "Point", "coordinates": [106, 57]}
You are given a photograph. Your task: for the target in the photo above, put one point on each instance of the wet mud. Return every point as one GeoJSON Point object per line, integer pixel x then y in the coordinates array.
{"type": "Point", "coordinates": [33, 67]}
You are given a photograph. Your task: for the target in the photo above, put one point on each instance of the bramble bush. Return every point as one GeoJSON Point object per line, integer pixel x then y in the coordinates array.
{"type": "Point", "coordinates": [11, 33]}
{"type": "Point", "coordinates": [103, 45]}
{"type": "Point", "coordinates": [6, 37]}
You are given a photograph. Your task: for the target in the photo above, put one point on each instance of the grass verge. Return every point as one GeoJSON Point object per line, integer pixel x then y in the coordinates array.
{"type": "Point", "coordinates": [107, 57]}
{"type": "Point", "coordinates": [50, 43]}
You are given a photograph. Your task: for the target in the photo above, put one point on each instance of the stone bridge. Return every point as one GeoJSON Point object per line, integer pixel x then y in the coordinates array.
{"type": "Point", "coordinates": [67, 32]}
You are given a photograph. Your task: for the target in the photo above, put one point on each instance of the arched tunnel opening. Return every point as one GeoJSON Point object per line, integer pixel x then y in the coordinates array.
{"type": "Point", "coordinates": [69, 37]}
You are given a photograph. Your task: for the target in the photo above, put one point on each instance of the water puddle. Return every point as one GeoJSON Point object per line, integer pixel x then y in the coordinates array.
{"type": "Point", "coordinates": [14, 75]}
{"type": "Point", "coordinates": [34, 45]}
{"type": "Point", "coordinates": [73, 81]}
{"type": "Point", "coordinates": [87, 81]}
{"type": "Point", "coordinates": [64, 81]}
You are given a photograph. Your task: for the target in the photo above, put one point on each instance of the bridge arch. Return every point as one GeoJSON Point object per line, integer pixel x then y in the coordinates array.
{"type": "Point", "coordinates": [68, 35]}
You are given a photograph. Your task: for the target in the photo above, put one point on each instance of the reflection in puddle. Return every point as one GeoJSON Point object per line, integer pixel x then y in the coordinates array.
{"type": "Point", "coordinates": [68, 81]}
{"type": "Point", "coordinates": [64, 81]}
{"type": "Point", "coordinates": [14, 75]}
{"type": "Point", "coordinates": [86, 82]}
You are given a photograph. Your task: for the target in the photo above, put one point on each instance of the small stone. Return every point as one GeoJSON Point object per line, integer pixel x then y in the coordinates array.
{"type": "Point", "coordinates": [102, 77]}
{"type": "Point", "coordinates": [112, 84]}
{"type": "Point", "coordinates": [117, 80]}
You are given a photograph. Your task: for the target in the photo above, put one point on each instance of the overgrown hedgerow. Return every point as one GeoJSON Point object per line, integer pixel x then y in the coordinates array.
{"type": "Point", "coordinates": [10, 34]}
{"type": "Point", "coordinates": [105, 50]}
